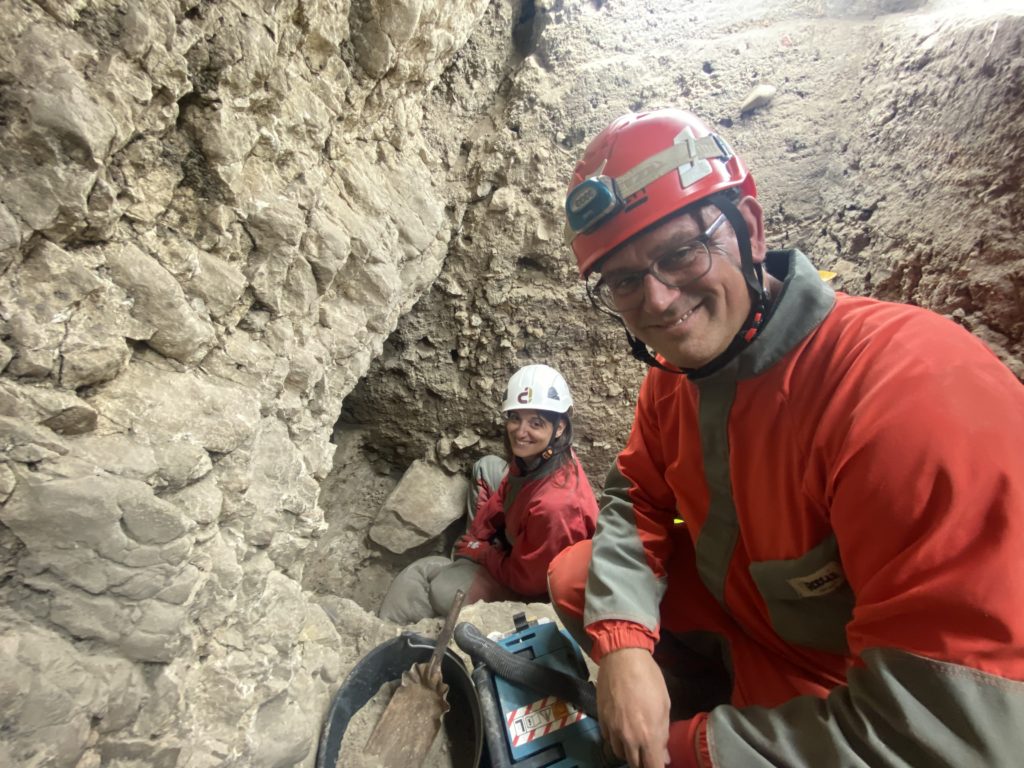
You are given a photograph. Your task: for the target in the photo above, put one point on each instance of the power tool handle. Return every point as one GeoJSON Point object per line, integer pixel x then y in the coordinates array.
{"type": "Point", "coordinates": [526, 672]}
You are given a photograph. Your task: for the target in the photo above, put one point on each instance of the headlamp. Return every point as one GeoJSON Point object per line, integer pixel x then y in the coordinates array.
{"type": "Point", "coordinates": [590, 202]}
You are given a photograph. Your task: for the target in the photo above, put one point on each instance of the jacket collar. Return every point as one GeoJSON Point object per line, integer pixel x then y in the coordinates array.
{"type": "Point", "coordinates": [803, 303]}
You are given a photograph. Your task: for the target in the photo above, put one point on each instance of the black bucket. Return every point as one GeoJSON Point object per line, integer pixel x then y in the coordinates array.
{"type": "Point", "coordinates": [385, 663]}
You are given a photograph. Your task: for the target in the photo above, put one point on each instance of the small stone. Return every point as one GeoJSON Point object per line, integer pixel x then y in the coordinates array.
{"type": "Point", "coordinates": [759, 96]}
{"type": "Point", "coordinates": [466, 438]}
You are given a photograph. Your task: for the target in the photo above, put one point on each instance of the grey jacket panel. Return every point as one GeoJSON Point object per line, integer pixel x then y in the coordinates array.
{"type": "Point", "coordinates": [808, 598]}
{"type": "Point", "coordinates": [623, 587]}
{"type": "Point", "coordinates": [720, 531]}
{"type": "Point", "coordinates": [971, 719]}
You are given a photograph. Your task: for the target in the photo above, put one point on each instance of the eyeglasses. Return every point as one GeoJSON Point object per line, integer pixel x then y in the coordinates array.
{"type": "Point", "coordinates": [623, 291]}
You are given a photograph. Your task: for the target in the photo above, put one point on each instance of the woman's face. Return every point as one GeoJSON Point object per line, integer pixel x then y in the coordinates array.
{"type": "Point", "coordinates": [529, 433]}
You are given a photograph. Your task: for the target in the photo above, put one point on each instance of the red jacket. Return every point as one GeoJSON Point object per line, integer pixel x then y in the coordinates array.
{"type": "Point", "coordinates": [541, 513]}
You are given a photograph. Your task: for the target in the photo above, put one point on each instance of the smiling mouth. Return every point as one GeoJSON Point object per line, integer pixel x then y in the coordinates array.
{"type": "Point", "coordinates": [676, 321]}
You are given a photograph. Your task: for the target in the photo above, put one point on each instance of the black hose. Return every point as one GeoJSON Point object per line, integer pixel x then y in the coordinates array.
{"type": "Point", "coordinates": [525, 672]}
{"type": "Point", "coordinates": [493, 718]}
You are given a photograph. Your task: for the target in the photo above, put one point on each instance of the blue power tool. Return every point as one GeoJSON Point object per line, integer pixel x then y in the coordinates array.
{"type": "Point", "coordinates": [538, 708]}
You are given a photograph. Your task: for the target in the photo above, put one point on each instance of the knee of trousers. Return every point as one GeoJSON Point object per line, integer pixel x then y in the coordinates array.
{"type": "Point", "coordinates": [567, 579]}
{"type": "Point", "coordinates": [458, 575]}
{"type": "Point", "coordinates": [567, 585]}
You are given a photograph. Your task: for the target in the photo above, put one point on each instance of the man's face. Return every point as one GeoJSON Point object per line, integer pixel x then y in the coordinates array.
{"type": "Point", "coordinates": [691, 326]}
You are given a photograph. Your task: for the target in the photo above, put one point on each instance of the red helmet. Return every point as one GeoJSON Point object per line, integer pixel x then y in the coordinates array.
{"type": "Point", "coordinates": [640, 169]}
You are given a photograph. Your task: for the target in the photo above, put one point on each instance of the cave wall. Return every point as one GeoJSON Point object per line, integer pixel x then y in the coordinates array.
{"type": "Point", "coordinates": [223, 225]}
{"type": "Point", "coordinates": [212, 215]}
{"type": "Point", "coordinates": [889, 154]}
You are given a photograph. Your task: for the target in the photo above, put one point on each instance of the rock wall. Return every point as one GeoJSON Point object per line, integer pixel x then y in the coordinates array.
{"type": "Point", "coordinates": [223, 225]}
{"type": "Point", "coordinates": [212, 215]}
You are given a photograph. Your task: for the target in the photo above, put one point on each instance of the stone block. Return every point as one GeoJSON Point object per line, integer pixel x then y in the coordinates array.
{"type": "Point", "coordinates": [425, 502]}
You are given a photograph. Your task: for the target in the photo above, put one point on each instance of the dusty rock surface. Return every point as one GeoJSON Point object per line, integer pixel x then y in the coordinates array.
{"type": "Point", "coordinates": [256, 259]}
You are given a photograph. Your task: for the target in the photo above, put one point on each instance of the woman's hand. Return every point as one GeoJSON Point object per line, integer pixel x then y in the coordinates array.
{"type": "Point", "coordinates": [470, 548]}
{"type": "Point", "coordinates": [633, 706]}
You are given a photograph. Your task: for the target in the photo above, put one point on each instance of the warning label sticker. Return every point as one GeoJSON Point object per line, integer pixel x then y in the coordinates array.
{"type": "Point", "coordinates": [540, 718]}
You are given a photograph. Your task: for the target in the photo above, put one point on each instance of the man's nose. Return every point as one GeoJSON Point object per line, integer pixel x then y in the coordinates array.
{"type": "Point", "coordinates": [657, 295]}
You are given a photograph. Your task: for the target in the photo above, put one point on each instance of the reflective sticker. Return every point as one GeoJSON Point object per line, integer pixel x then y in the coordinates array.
{"type": "Point", "coordinates": [540, 718]}
{"type": "Point", "coordinates": [826, 579]}
{"type": "Point", "coordinates": [691, 173]}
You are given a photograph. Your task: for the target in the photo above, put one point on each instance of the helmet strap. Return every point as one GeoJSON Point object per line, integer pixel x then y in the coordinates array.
{"type": "Point", "coordinates": [543, 459]}
{"type": "Point", "coordinates": [640, 351]}
{"type": "Point", "coordinates": [751, 272]}
{"type": "Point", "coordinates": [551, 450]}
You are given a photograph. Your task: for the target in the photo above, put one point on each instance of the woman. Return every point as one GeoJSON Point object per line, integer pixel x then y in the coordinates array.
{"type": "Point", "coordinates": [522, 512]}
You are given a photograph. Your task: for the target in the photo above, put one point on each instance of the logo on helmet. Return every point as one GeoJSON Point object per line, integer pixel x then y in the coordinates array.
{"type": "Point", "coordinates": [525, 396]}
{"type": "Point", "coordinates": [552, 393]}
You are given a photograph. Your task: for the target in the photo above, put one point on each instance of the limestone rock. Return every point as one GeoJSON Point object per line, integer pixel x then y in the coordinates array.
{"type": "Point", "coordinates": [55, 698]}
{"type": "Point", "coordinates": [153, 399]}
{"type": "Point", "coordinates": [66, 321]}
{"type": "Point", "coordinates": [27, 444]}
{"type": "Point", "coordinates": [159, 302]}
{"type": "Point", "coordinates": [62, 412]}
{"type": "Point", "coordinates": [425, 502]}
{"type": "Point", "coordinates": [97, 534]}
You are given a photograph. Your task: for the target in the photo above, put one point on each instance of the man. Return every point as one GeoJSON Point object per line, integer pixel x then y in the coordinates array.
{"type": "Point", "coordinates": [820, 507]}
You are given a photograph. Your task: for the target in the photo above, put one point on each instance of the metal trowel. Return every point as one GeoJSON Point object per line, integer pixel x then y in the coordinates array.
{"type": "Point", "coordinates": [409, 725]}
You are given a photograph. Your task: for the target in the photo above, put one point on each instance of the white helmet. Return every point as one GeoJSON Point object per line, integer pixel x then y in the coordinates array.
{"type": "Point", "coordinates": [537, 387]}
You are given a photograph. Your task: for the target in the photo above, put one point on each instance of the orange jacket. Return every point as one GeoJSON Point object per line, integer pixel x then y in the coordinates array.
{"type": "Point", "coordinates": [853, 485]}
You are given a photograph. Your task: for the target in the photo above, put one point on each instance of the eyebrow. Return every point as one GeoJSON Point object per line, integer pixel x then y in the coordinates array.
{"type": "Point", "coordinates": [674, 243]}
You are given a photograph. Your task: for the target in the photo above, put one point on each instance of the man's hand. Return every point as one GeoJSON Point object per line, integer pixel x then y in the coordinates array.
{"type": "Point", "coordinates": [633, 705]}
{"type": "Point", "coordinates": [471, 548]}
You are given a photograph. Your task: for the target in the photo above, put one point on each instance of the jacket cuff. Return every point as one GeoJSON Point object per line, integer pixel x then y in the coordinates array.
{"type": "Point", "coordinates": [613, 634]}
{"type": "Point", "coordinates": [688, 743]}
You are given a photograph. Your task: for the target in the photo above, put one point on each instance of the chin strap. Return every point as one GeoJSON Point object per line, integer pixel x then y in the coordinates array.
{"type": "Point", "coordinates": [759, 303]}
{"type": "Point", "coordinates": [640, 351]}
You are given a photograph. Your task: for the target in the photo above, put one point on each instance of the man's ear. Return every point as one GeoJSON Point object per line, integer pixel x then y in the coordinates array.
{"type": "Point", "coordinates": [753, 215]}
